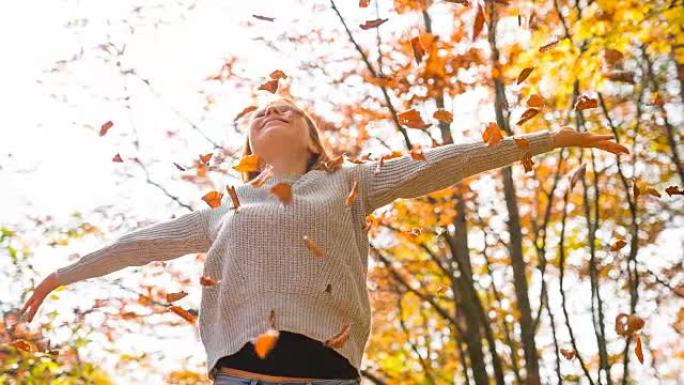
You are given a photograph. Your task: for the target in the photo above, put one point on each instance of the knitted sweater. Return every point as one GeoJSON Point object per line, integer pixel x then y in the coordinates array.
{"type": "Point", "coordinates": [258, 252]}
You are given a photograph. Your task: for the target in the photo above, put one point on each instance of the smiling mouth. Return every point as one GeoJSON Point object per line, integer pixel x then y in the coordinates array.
{"type": "Point", "coordinates": [275, 120]}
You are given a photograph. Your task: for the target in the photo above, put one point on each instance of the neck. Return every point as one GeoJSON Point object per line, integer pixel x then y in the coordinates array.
{"type": "Point", "coordinates": [286, 165]}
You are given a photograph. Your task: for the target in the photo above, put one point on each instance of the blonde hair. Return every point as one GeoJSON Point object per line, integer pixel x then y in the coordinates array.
{"type": "Point", "coordinates": [323, 160]}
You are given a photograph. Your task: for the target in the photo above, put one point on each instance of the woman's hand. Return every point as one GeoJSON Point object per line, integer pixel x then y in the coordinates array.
{"type": "Point", "coordinates": [568, 137]}
{"type": "Point", "coordinates": [42, 290]}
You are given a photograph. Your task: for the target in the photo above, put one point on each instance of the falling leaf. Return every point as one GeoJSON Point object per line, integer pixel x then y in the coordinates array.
{"type": "Point", "coordinates": [311, 245]}
{"type": "Point", "coordinates": [535, 101]}
{"type": "Point", "coordinates": [372, 23]}
{"type": "Point", "coordinates": [443, 116]}
{"type": "Point", "coordinates": [411, 118]}
{"type": "Point", "coordinates": [612, 56]}
{"type": "Point", "coordinates": [527, 115]}
{"type": "Point", "coordinates": [479, 22]}
{"type": "Point", "coordinates": [585, 102]}
{"type": "Point", "coordinates": [637, 349]}
{"type": "Point", "coordinates": [652, 191]}
{"type": "Point", "coordinates": [353, 194]}
{"type": "Point", "coordinates": [282, 191]}
{"type": "Point", "coordinates": [246, 110]}
{"type": "Point", "coordinates": [567, 353]}
{"type": "Point", "coordinates": [265, 342]}
{"type": "Point", "coordinates": [548, 46]}
{"type": "Point", "coordinates": [635, 188]}
{"type": "Point", "coordinates": [179, 166]}
{"type": "Point", "coordinates": [524, 74]}
{"type": "Point", "coordinates": [441, 289]}
{"type": "Point", "coordinates": [340, 338]}
{"type": "Point", "coordinates": [105, 127]}
{"type": "Point", "coordinates": [369, 221]}
{"type": "Point", "coordinates": [208, 281]}
{"type": "Point", "coordinates": [363, 3]}
{"type": "Point", "coordinates": [577, 175]}
{"type": "Point", "coordinates": [618, 245]}
{"type": "Point", "coordinates": [522, 143]}
{"type": "Point", "coordinates": [621, 76]}
{"type": "Point", "coordinates": [263, 176]}
{"type": "Point", "coordinates": [621, 324]}
{"type": "Point", "coordinates": [277, 74]}
{"type": "Point", "coordinates": [205, 158]}
{"type": "Point", "coordinates": [492, 134]}
{"type": "Point", "coordinates": [233, 196]}
{"type": "Point", "coordinates": [270, 86]}
{"type": "Point", "coordinates": [635, 322]}
{"type": "Point", "coordinates": [24, 345]}
{"type": "Point", "coordinates": [213, 198]}
{"type": "Point", "coordinates": [248, 163]}
{"type": "Point", "coordinates": [172, 297]}
{"type": "Point", "coordinates": [183, 313]}
{"type": "Point", "coordinates": [418, 50]}
{"type": "Point", "coordinates": [417, 153]}
{"type": "Point", "coordinates": [674, 190]}
{"type": "Point", "coordinates": [263, 17]}
{"type": "Point", "coordinates": [527, 161]}
{"type": "Point", "coordinates": [117, 158]}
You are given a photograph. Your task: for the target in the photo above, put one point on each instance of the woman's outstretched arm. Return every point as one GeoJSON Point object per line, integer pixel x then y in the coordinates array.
{"type": "Point", "coordinates": [159, 242]}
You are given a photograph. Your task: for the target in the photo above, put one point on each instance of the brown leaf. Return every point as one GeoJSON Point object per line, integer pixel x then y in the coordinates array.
{"type": "Point", "coordinates": [674, 190]}
{"type": "Point", "coordinates": [492, 134]}
{"type": "Point", "coordinates": [652, 191]}
{"type": "Point", "coordinates": [340, 338]}
{"type": "Point", "coordinates": [524, 74]}
{"type": "Point", "coordinates": [618, 245]}
{"type": "Point", "coordinates": [208, 281]}
{"type": "Point", "coordinates": [372, 23]}
{"type": "Point", "coordinates": [277, 74]}
{"type": "Point", "coordinates": [213, 199]}
{"type": "Point", "coordinates": [105, 127]}
{"type": "Point", "coordinates": [117, 158]}
{"type": "Point", "coordinates": [418, 50]}
{"type": "Point", "coordinates": [270, 86]}
{"type": "Point", "coordinates": [522, 143]}
{"type": "Point", "coordinates": [577, 175]}
{"type": "Point", "coordinates": [637, 349]}
{"type": "Point", "coordinates": [567, 353]}
{"type": "Point", "coordinates": [443, 116]}
{"type": "Point", "coordinates": [527, 161]}
{"type": "Point", "coordinates": [612, 56]}
{"type": "Point", "coordinates": [585, 102]}
{"type": "Point", "coordinates": [635, 188]}
{"type": "Point", "coordinates": [353, 194]}
{"type": "Point", "coordinates": [535, 101]}
{"type": "Point", "coordinates": [263, 17]}
{"type": "Point", "coordinates": [172, 297]}
{"type": "Point", "coordinates": [311, 245]}
{"type": "Point", "coordinates": [417, 153]}
{"type": "Point", "coordinates": [233, 196]}
{"type": "Point", "coordinates": [24, 345]}
{"type": "Point", "coordinates": [635, 322]}
{"type": "Point", "coordinates": [179, 166]}
{"type": "Point", "coordinates": [282, 191]}
{"type": "Point", "coordinates": [548, 46]}
{"type": "Point", "coordinates": [479, 22]}
{"type": "Point", "coordinates": [183, 313]}
{"type": "Point", "coordinates": [411, 118]}
{"type": "Point", "coordinates": [527, 115]}
{"type": "Point", "coordinates": [621, 76]}
{"type": "Point", "coordinates": [621, 324]}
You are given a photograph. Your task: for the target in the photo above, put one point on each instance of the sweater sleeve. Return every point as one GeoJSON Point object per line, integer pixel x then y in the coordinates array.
{"type": "Point", "coordinates": [159, 242]}
{"type": "Point", "coordinates": [406, 177]}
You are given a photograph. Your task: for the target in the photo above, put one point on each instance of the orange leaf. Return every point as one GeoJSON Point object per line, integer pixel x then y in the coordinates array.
{"type": "Point", "coordinates": [635, 322]}
{"type": "Point", "coordinates": [105, 127]}
{"type": "Point", "coordinates": [527, 115]}
{"type": "Point", "coordinates": [363, 3]}
{"type": "Point", "coordinates": [418, 50]}
{"type": "Point", "coordinates": [443, 116]}
{"type": "Point", "coordinates": [417, 153]}
{"type": "Point", "coordinates": [637, 349]}
{"type": "Point", "coordinates": [548, 46]}
{"type": "Point", "coordinates": [208, 281]}
{"type": "Point", "coordinates": [213, 198]}
{"type": "Point", "coordinates": [205, 158]}
{"type": "Point", "coordinates": [265, 342]}
{"type": "Point", "coordinates": [270, 86]}
{"type": "Point", "coordinates": [492, 134]}
{"type": "Point", "coordinates": [183, 313]}
{"type": "Point", "coordinates": [171, 297]}
{"type": "Point", "coordinates": [370, 220]}
{"type": "Point", "coordinates": [340, 338]}
{"type": "Point", "coordinates": [24, 345]}
{"type": "Point", "coordinates": [674, 190]}
{"type": "Point", "coordinates": [313, 247]}
{"type": "Point", "coordinates": [278, 74]}
{"type": "Point", "coordinates": [535, 101]}
{"type": "Point", "coordinates": [527, 161]}
{"type": "Point", "coordinates": [372, 23]}
{"type": "Point", "coordinates": [353, 194]}
{"type": "Point", "coordinates": [618, 245]}
{"type": "Point", "coordinates": [524, 74]}
{"type": "Point", "coordinates": [233, 196]}
{"type": "Point", "coordinates": [621, 324]}
{"type": "Point", "coordinates": [248, 163]}
{"type": "Point", "coordinates": [411, 118]}
{"type": "Point", "coordinates": [585, 102]}
{"type": "Point", "coordinates": [479, 22]}
{"type": "Point", "coordinates": [282, 191]}
{"type": "Point", "coordinates": [612, 56]}
{"type": "Point", "coordinates": [522, 143]}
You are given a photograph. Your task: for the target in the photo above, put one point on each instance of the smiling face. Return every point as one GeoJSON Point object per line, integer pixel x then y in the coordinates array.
{"type": "Point", "coordinates": [280, 127]}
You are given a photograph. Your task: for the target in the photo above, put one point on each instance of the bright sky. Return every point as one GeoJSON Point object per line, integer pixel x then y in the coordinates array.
{"type": "Point", "coordinates": [53, 164]}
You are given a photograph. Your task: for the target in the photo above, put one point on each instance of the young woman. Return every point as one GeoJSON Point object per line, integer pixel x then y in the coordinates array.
{"type": "Point", "coordinates": [290, 257]}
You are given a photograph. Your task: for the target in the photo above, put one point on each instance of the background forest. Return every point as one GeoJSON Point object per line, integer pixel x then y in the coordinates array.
{"type": "Point", "coordinates": [122, 114]}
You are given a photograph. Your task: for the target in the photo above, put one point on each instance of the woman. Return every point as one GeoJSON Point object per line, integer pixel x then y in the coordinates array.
{"type": "Point", "coordinates": [297, 266]}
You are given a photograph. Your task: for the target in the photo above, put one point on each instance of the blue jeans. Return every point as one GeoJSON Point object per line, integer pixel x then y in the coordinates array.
{"type": "Point", "coordinates": [227, 379]}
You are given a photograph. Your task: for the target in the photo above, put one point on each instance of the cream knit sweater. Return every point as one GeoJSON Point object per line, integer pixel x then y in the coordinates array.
{"type": "Point", "coordinates": [259, 254]}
